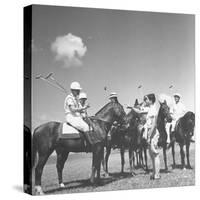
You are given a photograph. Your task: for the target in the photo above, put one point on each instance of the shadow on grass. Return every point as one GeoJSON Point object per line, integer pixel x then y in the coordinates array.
{"type": "Point", "coordinates": [179, 166]}
{"type": "Point", "coordinates": [83, 183]}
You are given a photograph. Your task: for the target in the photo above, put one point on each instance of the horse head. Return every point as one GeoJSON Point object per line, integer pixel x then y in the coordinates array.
{"type": "Point", "coordinates": [164, 111]}
{"type": "Point", "coordinates": [113, 111]}
{"type": "Point", "coordinates": [189, 121]}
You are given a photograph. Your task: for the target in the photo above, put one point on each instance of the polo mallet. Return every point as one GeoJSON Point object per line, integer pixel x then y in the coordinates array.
{"type": "Point", "coordinates": [140, 92]}
{"type": "Point", "coordinates": [50, 76]}
{"type": "Point", "coordinates": [171, 89]}
{"type": "Point", "coordinates": [49, 82]}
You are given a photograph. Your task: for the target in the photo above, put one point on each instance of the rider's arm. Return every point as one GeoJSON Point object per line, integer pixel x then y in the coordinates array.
{"type": "Point", "coordinates": [74, 109]}
{"type": "Point", "coordinates": [138, 110]}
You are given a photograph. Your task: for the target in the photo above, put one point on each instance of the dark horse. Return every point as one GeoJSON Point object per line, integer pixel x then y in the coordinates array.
{"type": "Point", "coordinates": [184, 130]}
{"type": "Point", "coordinates": [132, 138]}
{"type": "Point", "coordinates": [163, 117]}
{"type": "Point", "coordinates": [46, 140]}
{"type": "Point", "coordinates": [123, 138]}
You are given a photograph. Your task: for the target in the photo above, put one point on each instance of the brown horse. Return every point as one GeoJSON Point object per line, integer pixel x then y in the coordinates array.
{"type": "Point", "coordinates": [46, 140]}
{"type": "Point", "coordinates": [184, 130]}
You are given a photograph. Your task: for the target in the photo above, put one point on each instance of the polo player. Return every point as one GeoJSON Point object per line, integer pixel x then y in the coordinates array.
{"type": "Point", "coordinates": [73, 109]}
{"type": "Point", "coordinates": [177, 111]}
{"type": "Point", "coordinates": [113, 97]}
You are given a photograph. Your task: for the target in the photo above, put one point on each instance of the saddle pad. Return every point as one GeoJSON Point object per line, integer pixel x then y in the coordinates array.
{"type": "Point", "coordinates": [67, 129]}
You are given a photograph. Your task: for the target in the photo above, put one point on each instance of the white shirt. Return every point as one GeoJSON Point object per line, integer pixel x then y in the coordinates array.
{"type": "Point", "coordinates": [70, 100]}
{"type": "Point", "coordinates": [152, 113]}
{"type": "Point", "coordinates": [178, 110]}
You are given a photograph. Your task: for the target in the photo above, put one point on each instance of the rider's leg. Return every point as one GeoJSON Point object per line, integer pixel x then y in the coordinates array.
{"type": "Point", "coordinates": [173, 123]}
{"type": "Point", "coordinates": [80, 124]}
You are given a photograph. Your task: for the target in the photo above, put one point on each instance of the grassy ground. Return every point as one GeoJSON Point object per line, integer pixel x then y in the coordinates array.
{"type": "Point", "coordinates": [78, 167]}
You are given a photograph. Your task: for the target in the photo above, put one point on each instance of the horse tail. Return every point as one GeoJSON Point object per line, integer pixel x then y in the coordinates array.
{"type": "Point", "coordinates": [34, 148]}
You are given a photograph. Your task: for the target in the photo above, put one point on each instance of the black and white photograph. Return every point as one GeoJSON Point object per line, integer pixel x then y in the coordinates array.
{"type": "Point", "coordinates": [109, 99]}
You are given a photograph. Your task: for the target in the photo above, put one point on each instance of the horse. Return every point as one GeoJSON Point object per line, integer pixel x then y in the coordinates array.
{"type": "Point", "coordinates": [132, 138]}
{"type": "Point", "coordinates": [122, 138]}
{"type": "Point", "coordinates": [163, 117]}
{"type": "Point", "coordinates": [46, 139]}
{"type": "Point", "coordinates": [184, 130]}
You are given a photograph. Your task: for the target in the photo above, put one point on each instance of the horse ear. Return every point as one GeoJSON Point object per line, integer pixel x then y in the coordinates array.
{"type": "Point", "coordinates": [165, 102]}
{"type": "Point", "coordinates": [136, 102]}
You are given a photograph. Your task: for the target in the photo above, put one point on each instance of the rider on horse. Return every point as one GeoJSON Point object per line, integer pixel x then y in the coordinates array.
{"type": "Point", "coordinates": [177, 111]}
{"type": "Point", "coordinates": [113, 97]}
{"type": "Point", "coordinates": [73, 109]}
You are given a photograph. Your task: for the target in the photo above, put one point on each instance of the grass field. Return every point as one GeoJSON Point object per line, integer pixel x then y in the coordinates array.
{"type": "Point", "coordinates": [78, 167]}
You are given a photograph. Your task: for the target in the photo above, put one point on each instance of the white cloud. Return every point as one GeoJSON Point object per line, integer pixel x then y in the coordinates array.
{"type": "Point", "coordinates": [69, 49]}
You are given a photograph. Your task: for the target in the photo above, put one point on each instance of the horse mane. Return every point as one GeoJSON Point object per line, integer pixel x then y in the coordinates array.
{"type": "Point", "coordinates": [104, 108]}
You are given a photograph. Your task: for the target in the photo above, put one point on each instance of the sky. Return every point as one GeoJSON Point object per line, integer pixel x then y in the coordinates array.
{"type": "Point", "coordinates": [117, 49]}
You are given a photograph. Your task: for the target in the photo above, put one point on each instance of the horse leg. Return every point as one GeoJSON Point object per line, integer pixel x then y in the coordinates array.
{"type": "Point", "coordinates": [105, 163]}
{"type": "Point", "coordinates": [101, 153]}
{"type": "Point", "coordinates": [38, 171]}
{"type": "Point", "coordinates": [92, 177]}
{"type": "Point", "coordinates": [137, 159]}
{"type": "Point", "coordinates": [145, 157]}
{"type": "Point", "coordinates": [188, 154]}
{"type": "Point", "coordinates": [182, 156]}
{"type": "Point", "coordinates": [61, 159]}
{"type": "Point", "coordinates": [96, 161]}
{"type": "Point", "coordinates": [173, 155]}
{"type": "Point", "coordinates": [122, 159]}
{"type": "Point", "coordinates": [141, 158]}
{"type": "Point", "coordinates": [131, 162]}
{"type": "Point", "coordinates": [165, 157]}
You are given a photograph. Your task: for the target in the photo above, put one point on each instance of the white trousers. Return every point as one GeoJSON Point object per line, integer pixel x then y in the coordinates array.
{"type": "Point", "coordinates": [167, 126]}
{"type": "Point", "coordinates": [77, 122]}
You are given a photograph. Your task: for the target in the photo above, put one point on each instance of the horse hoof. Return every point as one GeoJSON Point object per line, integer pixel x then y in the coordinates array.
{"type": "Point", "coordinates": [184, 168]}
{"type": "Point", "coordinates": [38, 190]}
{"type": "Point", "coordinates": [62, 185]}
{"type": "Point", "coordinates": [106, 175]}
{"type": "Point", "coordinates": [189, 167]}
{"type": "Point", "coordinates": [173, 166]}
{"type": "Point", "coordinates": [133, 174]}
{"type": "Point", "coordinates": [92, 181]}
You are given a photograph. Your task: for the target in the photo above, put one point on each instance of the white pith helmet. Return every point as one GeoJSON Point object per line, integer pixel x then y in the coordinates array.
{"type": "Point", "coordinates": [75, 86]}
{"type": "Point", "coordinates": [113, 94]}
{"type": "Point", "coordinates": [177, 95]}
{"type": "Point", "coordinates": [82, 95]}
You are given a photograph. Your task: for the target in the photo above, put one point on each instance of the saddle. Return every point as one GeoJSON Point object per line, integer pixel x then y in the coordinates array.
{"type": "Point", "coordinates": [69, 132]}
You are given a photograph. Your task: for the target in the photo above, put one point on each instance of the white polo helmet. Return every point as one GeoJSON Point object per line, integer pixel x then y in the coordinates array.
{"type": "Point", "coordinates": [112, 94]}
{"type": "Point", "coordinates": [82, 95]}
{"type": "Point", "coordinates": [75, 86]}
{"type": "Point", "coordinates": [177, 95]}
